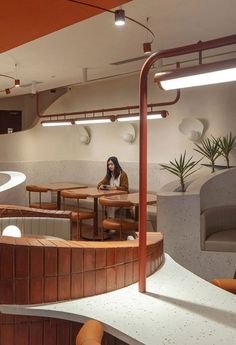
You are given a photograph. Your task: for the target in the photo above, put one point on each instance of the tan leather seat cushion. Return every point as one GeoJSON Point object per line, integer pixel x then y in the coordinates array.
{"type": "Point", "coordinates": [223, 241]}
{"type": "Point", "coordinates": [44, 205]}
{"type": "Point", "coordinates": [82, 215]}
{"type": "Point", "coordinates": [114, 224]}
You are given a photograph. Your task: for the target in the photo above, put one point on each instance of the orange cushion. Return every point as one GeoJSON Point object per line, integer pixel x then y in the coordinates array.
{"type": "Point", "coordinates": [115, 224]}
{"type": "Point", "coordinates": [226, 284]}
{"type": "Point", "coordinates": [82, 215]}
{"type": "Point", "coordinates": [90, 334]}
{"type": "Point", "coordinates": [44, 205]}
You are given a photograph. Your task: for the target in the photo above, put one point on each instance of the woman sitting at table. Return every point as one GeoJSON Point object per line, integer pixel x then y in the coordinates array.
{"type": "Point", "coordinates": [115, 177]}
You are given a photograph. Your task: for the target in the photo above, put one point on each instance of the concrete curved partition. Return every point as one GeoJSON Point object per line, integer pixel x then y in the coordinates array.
{"type": "Point", "coordinates": [39, 270]}
{"type": "Point", "coordinates": [178, 218]}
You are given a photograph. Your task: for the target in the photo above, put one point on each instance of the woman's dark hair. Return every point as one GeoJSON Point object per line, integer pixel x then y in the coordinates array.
{"type": "Point", "coordinates": [117, 170]}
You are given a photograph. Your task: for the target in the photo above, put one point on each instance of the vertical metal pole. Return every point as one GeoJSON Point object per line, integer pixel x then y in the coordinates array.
{"type": "Point", "coordinates": [197, 47]}
{"type": "Point", "coordinates": [143, 185]}
{"type": "Point", "coordinates": [143, 169]}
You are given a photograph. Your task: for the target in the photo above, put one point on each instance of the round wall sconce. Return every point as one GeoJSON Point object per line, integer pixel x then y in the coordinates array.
{"type": "Point", "coordinates": [84, 135]}
{"type": "Point", "coordinates": [127, 132]}
{"type": "Point", "coordinates": [191, 128]}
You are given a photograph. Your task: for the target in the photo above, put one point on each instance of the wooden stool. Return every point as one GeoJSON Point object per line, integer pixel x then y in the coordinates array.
{"type": "Point", "coordinates": [121, 223]}
{"type": "Point", "coordinates": [77, 216]}
{"type": "Point", "coordinates": [40, 204]}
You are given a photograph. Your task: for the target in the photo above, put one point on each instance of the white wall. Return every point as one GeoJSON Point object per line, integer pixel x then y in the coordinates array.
{"type": "Point", "coordinates": [215, 105]}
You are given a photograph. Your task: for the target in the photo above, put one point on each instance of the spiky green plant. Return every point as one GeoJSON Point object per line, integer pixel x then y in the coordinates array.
{"type": "Point", "coordinates": [209, 149]}
{"type": "Point", "coordinates": [181, 168]}
{"type": "Point", "coordinates": [226, 145]}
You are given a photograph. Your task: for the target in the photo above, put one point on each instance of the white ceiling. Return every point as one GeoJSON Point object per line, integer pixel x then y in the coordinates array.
{"type": "Point", "coordinates": [58, 59]}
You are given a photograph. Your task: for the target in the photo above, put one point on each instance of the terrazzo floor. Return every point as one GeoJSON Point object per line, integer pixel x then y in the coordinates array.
{"type": "Point", "coordinates": [179, 308]}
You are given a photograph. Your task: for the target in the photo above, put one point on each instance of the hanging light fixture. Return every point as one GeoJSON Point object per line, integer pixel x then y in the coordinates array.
{"type": "Point", "coordinates": [52, 123]}
{"type": "Point", "coordinates": [202, 74]}
{"type": "Point", "coordinates": [17, 81]}
{"type": "Point", "coordinates": [136, 117]}
{"type": "Point", "coordinates": [119, 17]}
{"type": "Point", "coordinates": [14, 82]}
{"type": "Point", "coordinates": [95, 120]}
{"type": "Point", "coordinates": [147, 46]}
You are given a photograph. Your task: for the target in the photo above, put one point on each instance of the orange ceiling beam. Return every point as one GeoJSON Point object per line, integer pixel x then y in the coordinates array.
{"type": "Point", "coordinates": [26, 20]}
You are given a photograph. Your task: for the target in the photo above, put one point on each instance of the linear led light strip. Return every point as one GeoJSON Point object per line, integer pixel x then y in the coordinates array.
{"type": "Point", "coordinates": [119, 118]}
{"type": "Point", "coordinates": [91, 121]}
{"type": "Point", "coordinates": [208, 74]}
{"type": "Point", "coordinates": [55, 123]}
{"type": "Point", "coordinates": [137, 117]}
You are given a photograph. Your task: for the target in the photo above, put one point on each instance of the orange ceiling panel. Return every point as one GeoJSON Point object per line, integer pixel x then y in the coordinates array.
{"type": "Point", "coordinates": [22, 21]}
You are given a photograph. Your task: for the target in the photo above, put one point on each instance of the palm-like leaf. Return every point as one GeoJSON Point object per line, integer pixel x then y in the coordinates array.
{"type": "Point", "coordinates": [226, 145]}
{"type": "Point", "coordinates": [210, 149]}
{"type": "Point", "coordinates": [181, 168]}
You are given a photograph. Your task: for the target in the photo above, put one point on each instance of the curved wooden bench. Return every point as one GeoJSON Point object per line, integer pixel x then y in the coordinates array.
{"type": "Point", "coordinates": [46, 330]}
{"type": "Point", "coordinates": [40, 270]}
{"type": "Point", "coordinates": [36, 222]}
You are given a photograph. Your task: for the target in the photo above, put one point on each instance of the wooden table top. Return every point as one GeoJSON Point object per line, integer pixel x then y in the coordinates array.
{"type": "Point", "coordinates": [93, 192]}
{"type": "Point", "coordinates": [59, 186]}
{"type": "Point", "coordinates": [134, 198]}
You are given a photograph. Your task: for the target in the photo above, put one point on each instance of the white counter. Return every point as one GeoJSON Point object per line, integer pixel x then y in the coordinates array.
{"type": "Point", "coordinates": [178, 308]}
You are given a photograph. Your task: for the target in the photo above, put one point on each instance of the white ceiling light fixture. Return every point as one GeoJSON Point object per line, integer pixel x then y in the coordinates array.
{"type": "Point", "coordinates": [135, 117]}
{"type": "Point", "coordinates": [56, 123]}
{"type": "Point", "coordinates": [202, 74]}
{"type": "Point", "coordinates": [92, 121]}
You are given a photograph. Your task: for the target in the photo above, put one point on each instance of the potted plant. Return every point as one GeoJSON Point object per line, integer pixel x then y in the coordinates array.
{"type": "Point", "coordinates": [210, 149]}
{"type": "Point", "coordinates": [226, 145]}
{"type": "Point", "coordinates": [181, 168]}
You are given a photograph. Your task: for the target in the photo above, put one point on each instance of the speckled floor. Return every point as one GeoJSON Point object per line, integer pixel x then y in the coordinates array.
{"type": "Point", "coordinates": [178, 308]}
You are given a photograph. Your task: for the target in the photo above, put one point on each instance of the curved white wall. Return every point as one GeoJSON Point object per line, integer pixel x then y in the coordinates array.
{"type": "Point", "coordinates": [58, 147]}
{"type": "Point", "coordinates": [178, 218]}
{"type": "Point", "coordinates": [215, 105]}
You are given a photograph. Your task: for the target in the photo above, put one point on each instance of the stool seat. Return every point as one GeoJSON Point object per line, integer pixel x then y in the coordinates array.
{"type": "Point", "coordinates": [44, 205]}
{"type": "Point", "coordinates": [116, 224]}
{"type": "Point", "coordinates": [120, 223]}
{"type": "Point", "coordinates": [77, 216]}
{"type": "Point", "coordinates": [81, 215]}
